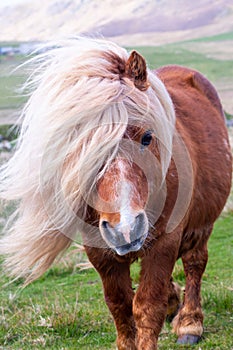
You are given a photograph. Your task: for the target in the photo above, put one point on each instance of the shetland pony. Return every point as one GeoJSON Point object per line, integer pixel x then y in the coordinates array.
{"type": "Point", "coordinates": [137, 162]}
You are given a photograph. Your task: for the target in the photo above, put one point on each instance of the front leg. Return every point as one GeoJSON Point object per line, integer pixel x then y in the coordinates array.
{"type": "Point", "coordinates": [151, 300]}
{"type": "Point", "coordinates": [118, 293]}
{"type": "Point", "coordinates": [188, 324]}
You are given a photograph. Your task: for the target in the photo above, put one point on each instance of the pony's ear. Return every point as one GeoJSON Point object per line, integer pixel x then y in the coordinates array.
{"type": "Point", "coordinates": [135, 69]}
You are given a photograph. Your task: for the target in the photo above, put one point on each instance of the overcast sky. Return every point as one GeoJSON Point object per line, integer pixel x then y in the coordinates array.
{"type": "Point", "coordinates": [10, 2]}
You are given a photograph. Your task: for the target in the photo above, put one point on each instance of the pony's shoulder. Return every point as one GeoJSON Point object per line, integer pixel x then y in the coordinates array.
{"type": "Point", "coordinates": [174, 76]}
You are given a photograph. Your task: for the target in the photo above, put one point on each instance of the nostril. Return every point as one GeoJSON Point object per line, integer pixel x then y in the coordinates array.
{"type": "Point", "coordinates": [104, 224]}
{"type": "Point", "coordinates": [140, 219]}
{"type": "Point", "coordinates": [141, 223]}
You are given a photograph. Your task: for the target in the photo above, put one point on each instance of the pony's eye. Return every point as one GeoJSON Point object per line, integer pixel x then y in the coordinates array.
{"type": "Point", "coordinates": [146, 138]}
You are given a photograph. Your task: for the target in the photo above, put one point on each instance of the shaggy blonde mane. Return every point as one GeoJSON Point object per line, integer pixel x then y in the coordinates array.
{"type": "Point", "coordinates": [72, 126]}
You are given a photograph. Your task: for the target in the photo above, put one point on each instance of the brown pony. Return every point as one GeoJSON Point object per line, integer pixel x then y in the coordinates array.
{"type": "Point", "coordinates": [136, 161]}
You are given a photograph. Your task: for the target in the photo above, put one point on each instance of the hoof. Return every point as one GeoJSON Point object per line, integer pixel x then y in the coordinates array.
{"type": "Point", "coordinates": [188, 339]}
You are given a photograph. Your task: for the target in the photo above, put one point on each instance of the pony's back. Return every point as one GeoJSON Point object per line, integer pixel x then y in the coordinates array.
{"type": "Point", "coordinates": [201, 122]}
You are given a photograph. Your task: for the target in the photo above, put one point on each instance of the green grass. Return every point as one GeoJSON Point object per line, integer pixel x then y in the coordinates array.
{"type": "Point", "coordinates": [219, 37]}
{"type": "Point", "coordinates": [9, 132]}
{"type": "Point", "coordinates": [65, 308]}
{"type": "Point", "coordinates": [61, 310]}
{"type": "Point", "coordinates": [229, 116]}
{"type": "Point", "coordinates": [9, 97]}
{"type": "Point", "coordinates": [11, 79]}
{"type": "Point", "coordinates": [176, 54]}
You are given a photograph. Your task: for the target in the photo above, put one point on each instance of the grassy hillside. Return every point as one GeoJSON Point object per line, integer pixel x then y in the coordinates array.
{"type": "Point", "coordinates": [190, 53]}
{"type": "Point", "coordinates": [178, 54]}
{"type": "Point", "coordinates": [11, 79]}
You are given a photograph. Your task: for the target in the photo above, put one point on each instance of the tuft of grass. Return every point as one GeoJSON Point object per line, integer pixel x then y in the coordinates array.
{"type": "Point", "coordinates": [9, 132]}
{"type": "Point", "coordinates": [228, 115]}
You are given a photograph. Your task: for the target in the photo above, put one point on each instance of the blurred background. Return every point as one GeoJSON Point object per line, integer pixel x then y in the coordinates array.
{"type": "Point", "coordinates": [194, 33]}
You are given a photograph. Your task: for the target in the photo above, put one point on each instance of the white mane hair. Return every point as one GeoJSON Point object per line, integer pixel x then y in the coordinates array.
{"type": "Point", "coordinates": [72, 125]}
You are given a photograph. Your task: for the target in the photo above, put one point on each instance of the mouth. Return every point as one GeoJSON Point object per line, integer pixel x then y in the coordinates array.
{"type": "Point", "coordinates": [130, 247]}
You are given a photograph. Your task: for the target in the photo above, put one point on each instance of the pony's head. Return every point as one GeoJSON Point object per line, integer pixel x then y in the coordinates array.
{"type": "Point", "coordinates": [96, 124]}
{"type": "Point", "coordinates": [123, 193]}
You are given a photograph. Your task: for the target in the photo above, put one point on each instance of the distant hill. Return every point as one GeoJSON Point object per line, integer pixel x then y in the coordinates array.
{"type": "Point", "coordinates": [129, 22]}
